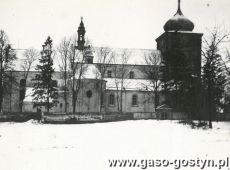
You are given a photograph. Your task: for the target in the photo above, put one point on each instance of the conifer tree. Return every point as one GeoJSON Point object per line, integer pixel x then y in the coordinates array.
{"type": "Point", "coordinates": [7, 58]}
{"type": "Point", "coordinates": [213, 77]}
{"type": "Point", "coordinates": [45, 91]}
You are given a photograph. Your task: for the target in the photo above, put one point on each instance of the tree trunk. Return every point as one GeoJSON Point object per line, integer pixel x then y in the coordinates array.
{"type": "Point", "coordinates": [22, 92]}
{"type": "Point", "coordinates": [73, 100]}
{"type": "Point", "coordinates": [65, 91]}
{"type": "Point", "coordinates": [121, 96]}
{"type": "Point", "coordinates": [48, 109]}
{"type": "Point", "coordinates": [1, 85]}
{"type": "Point", "coordinates": [209, 107]}
{"type": "Point", "coordinates": [1, 91]}
{"type": "Point", "coordinates": [73, 93]}
{"type": "Point", "coordinates": [118, 103]}
{"type": "Point", "coordinates": [1, 96]}
{"type": "Point", "coordinates": [101, 95]}
{"type": "Point", "coordinates": [48, 102]}
{"type": "Point", "coordinates": [210, 117]}
{"type": "Point", "coordinates": [155, 99]}
{"type": "Point", "coordinates": [176, 96]}
{"type": "Point", "coordinates": [210, 123]}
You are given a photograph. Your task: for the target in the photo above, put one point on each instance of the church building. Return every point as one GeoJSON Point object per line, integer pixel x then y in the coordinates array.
{"type": "Point", "coordinates": [113, 91]}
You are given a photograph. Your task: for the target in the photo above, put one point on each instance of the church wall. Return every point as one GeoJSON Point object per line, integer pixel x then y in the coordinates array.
{"type": "Point", "coordinates": [11, 99]}
{"type": "Point", "coordinates": [145, 101]}
{"type": "Point", "coordinates": [116, 68]}
{"type": "Point", "coordinates": [85, 104]}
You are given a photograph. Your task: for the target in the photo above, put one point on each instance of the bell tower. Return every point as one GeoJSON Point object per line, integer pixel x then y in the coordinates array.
{"type": "Point", "coordinates": [81, 36]}
{"type": "Point", "coordinates": [181, 58]}
{"type": "Point", "coordinates": [179, 39]}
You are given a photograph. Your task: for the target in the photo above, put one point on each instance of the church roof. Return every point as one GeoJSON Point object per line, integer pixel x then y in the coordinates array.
{"type": "Point", "coordinates": [90, 71]}
{"type": "Point", "coordinates": [136, 55]}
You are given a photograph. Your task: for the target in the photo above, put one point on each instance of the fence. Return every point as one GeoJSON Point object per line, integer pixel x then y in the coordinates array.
{"type": "Point", "coordinates": [88, 117]}
{"type": "Point", "coordinates": [92, 117]}
{"type": "Point", "coordinates": [19, 117]}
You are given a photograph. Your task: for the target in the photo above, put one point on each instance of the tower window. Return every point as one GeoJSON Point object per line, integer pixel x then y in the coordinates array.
{"type": "Point", "coordinates": [134, 100]}
{"type": "Point", "coordinates": [131, 75]}
{"type": "Point", "coordinates": [109, 73]}
{"type": "Point", "coordinates": [81, 37]}
{"type": "Point", "coordinates": [111, 99]}
{"type": "Point", "coordinates": [89, 60]}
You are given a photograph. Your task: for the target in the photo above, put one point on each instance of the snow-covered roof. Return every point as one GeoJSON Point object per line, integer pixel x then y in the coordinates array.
{"type": "Point", "coordinates": [136, 56]}
{"type": "Point", "coordinates": [90, 72]}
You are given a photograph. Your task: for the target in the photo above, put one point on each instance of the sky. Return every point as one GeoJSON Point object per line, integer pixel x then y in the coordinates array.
{"type": "Point", "coordinates": [113, 23]}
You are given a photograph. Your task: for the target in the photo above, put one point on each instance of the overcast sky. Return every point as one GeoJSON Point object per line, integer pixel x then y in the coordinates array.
{"type": "Point", "coordinates": [115, 23]}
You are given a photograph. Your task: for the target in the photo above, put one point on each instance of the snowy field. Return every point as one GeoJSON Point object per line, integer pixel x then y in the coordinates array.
{"type": "Point", "coordinates": [33, 146]}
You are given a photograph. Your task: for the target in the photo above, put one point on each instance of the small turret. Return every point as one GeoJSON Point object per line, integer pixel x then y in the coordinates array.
{"type": "Point", "coordinates": [81, 36]}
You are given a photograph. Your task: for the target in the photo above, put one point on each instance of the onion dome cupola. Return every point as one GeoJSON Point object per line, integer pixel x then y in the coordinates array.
{"type": "Point", "coordinates": [179, 22]}
{"type": "Point", "coordinates": [81, 35]}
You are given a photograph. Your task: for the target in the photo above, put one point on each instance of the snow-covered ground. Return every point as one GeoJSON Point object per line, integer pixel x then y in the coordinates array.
{"type": "Point", "coordinates": [33, 146]}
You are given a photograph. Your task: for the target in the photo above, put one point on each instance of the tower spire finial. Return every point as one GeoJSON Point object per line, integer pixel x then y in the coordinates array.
{"type": "Point", "coordinates": [179, 9]}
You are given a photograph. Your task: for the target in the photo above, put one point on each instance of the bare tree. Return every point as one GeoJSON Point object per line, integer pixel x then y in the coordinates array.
{"type": "Point", "coordinates": [153, 73]}
{"type": "Point", "coordinates": [72, 66]}
{"type": "Point", "coordinates": [64, 49]}
{"type": "Point", "coordinates": [29, 57]}
{"type": "Point", "coordinates": [121, 72]}
{"type": "Point", "coordinates": [7, 57]}
{"type": "Point", "coordinates": [104, 57]}
{"type": "Point", "coordinates": [77, 69]}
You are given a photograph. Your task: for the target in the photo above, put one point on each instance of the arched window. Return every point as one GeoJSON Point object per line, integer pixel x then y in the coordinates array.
{"type": "Point", "coordinates": [55, 83]}
{"type": "Point", "coordinates": [22, 91]}
{"type": "Point", "coordinates": [111, 99]}
{"type": "Point", "coordinates": [22, 82]}
{"type": "Point", "coordinates": [89, 93]}
{"type": "Point", "coordinates": [131, 75]}
{"type": "Point", "coordinates": [134, 100]}
{"type": "Point", "coordinates": [109, 73]}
